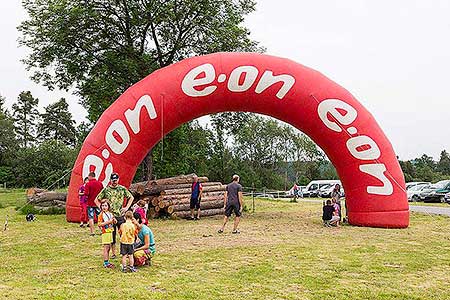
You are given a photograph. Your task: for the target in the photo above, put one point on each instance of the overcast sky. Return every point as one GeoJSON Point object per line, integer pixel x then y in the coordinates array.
{"type": "Point", "coordinates": [393, 56]}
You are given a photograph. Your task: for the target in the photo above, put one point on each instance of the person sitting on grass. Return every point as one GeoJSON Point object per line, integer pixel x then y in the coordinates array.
{"type": "Point", "coordinates": [105, 222]}
{"type": "Point", "coordinates": [336, 219]}
{"type": "Point", "coordinates": [144, 248]}
{"type": "Point", "coordinates": [127, 232]}
{"type": "Point", "coordinates": [327, 215]}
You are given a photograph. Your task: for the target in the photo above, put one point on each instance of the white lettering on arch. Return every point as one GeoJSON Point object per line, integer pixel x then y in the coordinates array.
{"type": "Point", "coordinates": [133, 115]}
{"type": "Point", "coordinates": [331, 106]}
{"type": "Point", "coordinates": [92, 161]}
{"type": "Point", "coordinates": [373, 152]}
{"type": "Point", "coordinates": [249, 78]}
{"type": "Point", "coordinates": [190, 81]}
{"type": "Point", "coordinates": [377, 171]}
{"type": "Point", "coordinates": [117, 146]}
{"type": "Point", "coordinates": [268, 79]}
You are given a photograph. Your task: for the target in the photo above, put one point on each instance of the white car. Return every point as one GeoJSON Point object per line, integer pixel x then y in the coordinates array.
{"type": "Point", "coordinates": [414, 183]}
{"type": "Point", "coordinates": [413, 193]}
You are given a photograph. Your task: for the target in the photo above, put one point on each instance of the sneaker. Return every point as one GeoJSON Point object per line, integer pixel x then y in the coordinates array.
{"type": "Point", "coordinates": [109, 266]}
{"type": "Point", "coordinates": [113, 256]}
{"type": "Point", "coordinates": [192, 218]}
{"type": "Point", "coordinates": [81, 225]}
{"type": "Point", "coordinates": [92, 234]}
{"type": "Point", "coordinates": [132, 269]}
{"type": "Point", "coordinates": [236, 231]}
{"type": "Point", "coordinates": [123, 268]}
{"type": "Point", "coordinates": [196, 218]}
{"type": "Point", "coordinates": [220, 231]}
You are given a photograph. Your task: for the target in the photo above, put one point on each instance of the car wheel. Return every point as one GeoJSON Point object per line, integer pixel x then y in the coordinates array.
{"type": "Point", "coordinates": [442, 198]}
{"type": "Point", "coordinates": [415, 198]}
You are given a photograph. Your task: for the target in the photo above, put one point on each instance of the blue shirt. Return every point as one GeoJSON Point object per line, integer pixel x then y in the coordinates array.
{"type": "Point", "coordinates": [147, 231]}
{"type": "Point", "coordinates": [196, 187]}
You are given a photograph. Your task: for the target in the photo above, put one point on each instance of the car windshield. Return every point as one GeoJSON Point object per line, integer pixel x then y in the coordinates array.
{"type": "Point", "coordinates": [416, 188]}
{"type": "Point", "coordinates": [441, 184]}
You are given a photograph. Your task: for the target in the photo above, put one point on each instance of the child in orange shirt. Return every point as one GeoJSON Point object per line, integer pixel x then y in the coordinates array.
{"type": "Point", "coordinates": [128, 233]}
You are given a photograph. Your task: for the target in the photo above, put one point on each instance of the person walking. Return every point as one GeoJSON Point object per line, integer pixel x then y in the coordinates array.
{"type": "Point", "coordinates": [91, 190]}
{"type": "Point", "coordinates": [116, 195]}
{"type": "Point", "coordinates": [233, 202]}
{"type": "Point", "coordinates": [196, 196]}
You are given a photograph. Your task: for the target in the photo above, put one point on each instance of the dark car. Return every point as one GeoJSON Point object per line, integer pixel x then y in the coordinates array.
{"type": "Point", "coordinates": [436, 193]}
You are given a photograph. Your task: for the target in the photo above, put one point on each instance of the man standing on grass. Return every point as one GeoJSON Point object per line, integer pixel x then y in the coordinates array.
{"type": "Point", "coordinates": [91, 190]}
{"type": "Point", "coordinates": [196, 196]}
{"type": "Point", "coordinates": [115, 194]}
{"type": "Point", "coordinates": [233, 202]}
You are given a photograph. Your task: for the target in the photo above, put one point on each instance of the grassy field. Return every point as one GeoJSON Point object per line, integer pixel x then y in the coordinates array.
{"type": "Point", "coordinates": [283, 252]}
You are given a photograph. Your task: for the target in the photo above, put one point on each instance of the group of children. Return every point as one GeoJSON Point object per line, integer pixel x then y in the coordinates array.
{"type": "Point", "coordinates": [128, 231]}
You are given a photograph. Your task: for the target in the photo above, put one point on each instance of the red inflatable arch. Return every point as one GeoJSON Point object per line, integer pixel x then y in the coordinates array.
{"type": "Point", "coordinates": [278, 87]}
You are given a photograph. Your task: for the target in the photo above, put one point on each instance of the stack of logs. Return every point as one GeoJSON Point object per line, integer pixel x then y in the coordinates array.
{"type": "Point", "coordinates": [43, 200]}
{"type": "Point", "coordinates": [170, 197]}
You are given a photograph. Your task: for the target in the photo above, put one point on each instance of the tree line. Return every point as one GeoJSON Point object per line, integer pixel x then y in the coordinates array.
{"type": "Point", "coordinates": [99, 48]}
{"type": "Point", "coordinates": [39, 149]}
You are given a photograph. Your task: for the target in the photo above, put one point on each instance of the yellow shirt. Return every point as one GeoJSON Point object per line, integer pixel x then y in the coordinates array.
{"type": "Point", "coordinates": [128, 232]}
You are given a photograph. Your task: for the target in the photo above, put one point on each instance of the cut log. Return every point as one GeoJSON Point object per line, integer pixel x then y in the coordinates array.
{"type": "Point", "coordinates": [204, 213]}
{"type": "Point", "coordinates": [188, 196]}
{"type": "Point", "coordinates": [213, 188]}
{"type": "Point", "coordinates": [141, 188]}
{"type": "Point", "coordinates": [47, 196]}
{"type": "Point", "coordinates": [169, 209]}
{"type": "Point", "coordinates": [203, 205]}
{"type": "Point", "coordinates": [157, 209]}
{"type": "Point", "coordinates": [34, 191]}
{"type": "Point", "coordinates": [166, 203]}
{"type": "Point", "coordinates": [152, 213]}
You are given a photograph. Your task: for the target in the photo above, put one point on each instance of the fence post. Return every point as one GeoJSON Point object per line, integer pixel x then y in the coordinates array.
{"type": "Point", "coordinates": [253, 202]}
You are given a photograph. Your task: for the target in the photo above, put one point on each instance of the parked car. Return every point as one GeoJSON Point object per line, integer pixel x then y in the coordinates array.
{"type": "Point", "coordinates": [436, 193]}
{"type": "Point", "coordinates": [447, 198]}
{"type": "Point", "coordinates": [415, 183]}
{"type": "Point", "coordinates": [312, 189]}
{"type": "Point", "coordinates": [326, 191]}
{"type": "Point", "coordinates": [414, 192]}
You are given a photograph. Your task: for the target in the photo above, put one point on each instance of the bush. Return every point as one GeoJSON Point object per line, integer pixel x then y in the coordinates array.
{"type": "Point", "coordinates": [30, 209]}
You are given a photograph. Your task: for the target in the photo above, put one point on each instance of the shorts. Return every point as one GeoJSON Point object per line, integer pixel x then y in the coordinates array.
{"type": "Point", "coordinates": [233, 208]}
{"type": "Point", "coordinates": [195, 203]}
{"type": "Point", "coordinates": [91, 210]}
{"type": "Point", "coordinates": [126, 249]}
{"type": "Point", "coordinates": [120, 221]}
{"type": "Point", "coordinates": [107, 238]}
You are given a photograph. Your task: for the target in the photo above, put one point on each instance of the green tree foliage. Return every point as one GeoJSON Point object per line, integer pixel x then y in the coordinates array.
{"type": "Point", "coordinates": [7, 143]}
{"type": "Point", "coordinates": [102, 47]}
{"type": "Point", "coordinates": [443, 164]}
{"type": "Point", "coordinates": [45, 165]}
{"type": "Point", "coordinates": [56, 123]}
{"type": "Point", "coordinates": [25, 116]}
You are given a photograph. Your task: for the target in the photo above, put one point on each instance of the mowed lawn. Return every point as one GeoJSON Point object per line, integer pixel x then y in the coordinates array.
{"type": "Point", "coordinates": [283, 252]}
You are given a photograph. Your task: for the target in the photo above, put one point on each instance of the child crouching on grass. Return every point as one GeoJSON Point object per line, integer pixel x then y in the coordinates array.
{"type": "Point", "coordinates": [105, 222]}
{"type": "Point", "coordinates": [128, 233]}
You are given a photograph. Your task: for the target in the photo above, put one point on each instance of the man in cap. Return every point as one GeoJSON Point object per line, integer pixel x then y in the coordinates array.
{"type": "Point", "coordinates": [116, 195]}
{"type": "Point", "coordinates": [233, 202]}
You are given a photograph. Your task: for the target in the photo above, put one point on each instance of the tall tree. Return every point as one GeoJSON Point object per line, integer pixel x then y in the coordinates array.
{"type": "Point", "coordinates": [443, 164]}
{"type": "Point", "coordinates": [102, 47]}
{"type": "Point", "coordinates": [7, 143]}
{"type": "Point", "coordinates": [25, 115]}
{"type": "Point", "coordinates": [56, 123]}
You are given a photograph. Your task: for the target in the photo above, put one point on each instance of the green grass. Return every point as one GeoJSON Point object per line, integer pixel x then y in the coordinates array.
{"type": "Point", "coordinates": [283, 252]}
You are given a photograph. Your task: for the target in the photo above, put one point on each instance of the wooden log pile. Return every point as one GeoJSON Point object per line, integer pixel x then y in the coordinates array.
{"type": "Point", "coordinates": [44, 200]}
{"type": "Point", "coordinates": [170, 197]}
